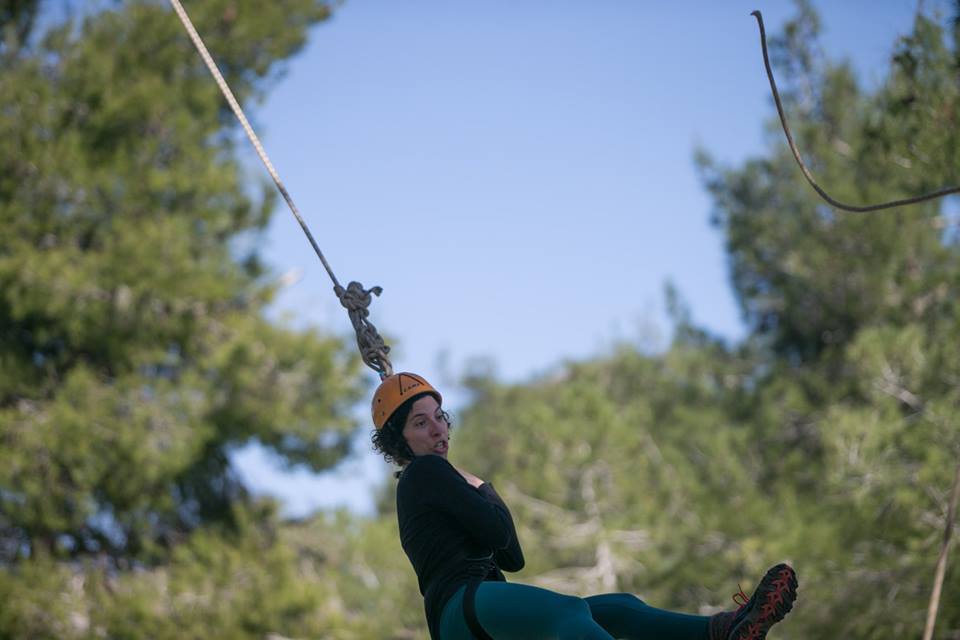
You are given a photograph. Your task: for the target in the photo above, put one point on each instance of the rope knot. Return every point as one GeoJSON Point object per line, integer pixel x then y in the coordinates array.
{"type": "Point", "coordinates": [373, 350]}
{"type": "Point", "coordinates": [355, 298]}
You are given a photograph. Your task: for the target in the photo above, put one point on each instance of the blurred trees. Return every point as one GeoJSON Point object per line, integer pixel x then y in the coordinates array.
{"type": "Point", "coordinates": [330, 577]}
{"type": "Point", "coordinates": [859, 403]}
{"type": "Point", "coordinates": [134, 350]}
{"type": "Point", "coordinates": [830, 436]}
{"type": "Point", "coordinates": [135, 355]}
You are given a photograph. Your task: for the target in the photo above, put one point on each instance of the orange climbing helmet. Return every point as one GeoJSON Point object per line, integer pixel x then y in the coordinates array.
{"type": "Point", "coordinates": [394, 391]}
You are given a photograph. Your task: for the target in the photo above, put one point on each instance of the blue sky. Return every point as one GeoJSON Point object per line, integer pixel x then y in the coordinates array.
{"type": "Point", "coordinates": [518, 177]}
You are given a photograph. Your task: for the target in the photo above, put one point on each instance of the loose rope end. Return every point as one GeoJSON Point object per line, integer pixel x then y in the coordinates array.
{"type": "Point", "coordinates": [803, 167]}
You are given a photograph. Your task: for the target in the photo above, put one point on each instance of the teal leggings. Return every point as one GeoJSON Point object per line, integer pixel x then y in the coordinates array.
{"type": "Point", "coordinates": [511, 611]}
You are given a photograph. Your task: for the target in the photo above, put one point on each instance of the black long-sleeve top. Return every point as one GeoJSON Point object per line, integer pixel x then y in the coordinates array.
{"type": "Point", "coordinates": [452, 532]}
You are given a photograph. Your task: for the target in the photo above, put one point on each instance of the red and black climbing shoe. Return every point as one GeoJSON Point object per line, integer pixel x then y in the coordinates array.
{"type": "Point", "coordinates": [720, 625]}
{"type": "Point", "coordinates": [770, 602]}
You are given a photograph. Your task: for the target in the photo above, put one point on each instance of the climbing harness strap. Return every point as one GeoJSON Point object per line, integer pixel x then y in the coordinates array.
{"type": "Point", "coordinates": [470, 611]}
{"type": "Point", "coordinates": [478, 569]}
{"type": "Point", "coordinates": [354, 297]}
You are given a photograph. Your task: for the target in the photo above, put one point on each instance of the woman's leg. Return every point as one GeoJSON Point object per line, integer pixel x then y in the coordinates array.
{"type": "Point", "coordinates": [516, 611]}
{"type": "Point", "coordinates": [627, 617]}
{"type": "Point", "coordinates": [511, 611]}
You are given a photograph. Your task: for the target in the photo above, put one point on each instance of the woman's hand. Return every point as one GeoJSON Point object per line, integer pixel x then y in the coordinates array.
{"type": "Point", "coordinates": [471, 479]}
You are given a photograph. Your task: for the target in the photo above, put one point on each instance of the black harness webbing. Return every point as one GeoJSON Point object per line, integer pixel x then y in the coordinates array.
{"type": "Point", "coordinates": [470, 611]}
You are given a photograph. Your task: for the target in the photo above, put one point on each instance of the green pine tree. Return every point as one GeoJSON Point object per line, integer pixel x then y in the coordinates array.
{"type": "Point", "coordinates": [856, 402]}
{"type": "Point", "coordinates": [135, 354]}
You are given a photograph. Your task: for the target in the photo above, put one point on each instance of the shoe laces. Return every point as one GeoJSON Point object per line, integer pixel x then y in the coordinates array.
{"type": "Point", "coordinates": [740, 598]}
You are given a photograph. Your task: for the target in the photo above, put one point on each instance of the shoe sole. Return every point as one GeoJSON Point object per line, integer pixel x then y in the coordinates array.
{"type": "Point", "coordinates": [772, 601]}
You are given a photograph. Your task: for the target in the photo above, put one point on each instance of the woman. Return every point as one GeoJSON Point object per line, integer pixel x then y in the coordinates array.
{"type": "Point", "coordinates": [460, 537]}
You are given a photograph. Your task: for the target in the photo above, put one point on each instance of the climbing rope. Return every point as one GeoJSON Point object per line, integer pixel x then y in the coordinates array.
{"type": "Point", "coordinates": [374, 352]}
{"type": "Point", "coordinates": [806, 172]}
{"type": "Point", "coordinates": [354, 298]}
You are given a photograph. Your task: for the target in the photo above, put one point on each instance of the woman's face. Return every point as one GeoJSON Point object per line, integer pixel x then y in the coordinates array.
{"type": "Point", "coordinates": [426, 429]}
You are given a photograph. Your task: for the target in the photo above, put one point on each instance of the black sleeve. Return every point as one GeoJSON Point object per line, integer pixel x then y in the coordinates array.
{"type": "Point", "coordinates": [509, 558]}
{"type": "Point", "coordinates": [441, 487]}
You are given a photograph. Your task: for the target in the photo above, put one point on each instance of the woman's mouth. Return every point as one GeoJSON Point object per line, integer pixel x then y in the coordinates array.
{"type": "Point", "coordinates": [440, 446]}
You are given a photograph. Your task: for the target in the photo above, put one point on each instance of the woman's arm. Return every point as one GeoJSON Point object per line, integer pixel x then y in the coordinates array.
{"type": "Point", "coordinates": [436, 483]}
{"type": "Point", "coordinates": [509, 558]}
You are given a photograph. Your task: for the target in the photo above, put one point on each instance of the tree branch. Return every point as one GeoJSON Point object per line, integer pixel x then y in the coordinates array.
{"type": "Point", "coordinates": [942, 560]}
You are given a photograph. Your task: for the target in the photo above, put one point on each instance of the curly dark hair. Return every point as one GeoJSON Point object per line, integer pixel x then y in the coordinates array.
{"type": "Point", "coordinates": [389, 440]}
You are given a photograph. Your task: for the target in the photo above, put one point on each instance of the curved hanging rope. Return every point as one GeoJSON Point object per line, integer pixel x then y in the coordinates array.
{"type": "Point", "coordinates": [354, 298]}
{"type": "Point", "coordinates": [806, 172]}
